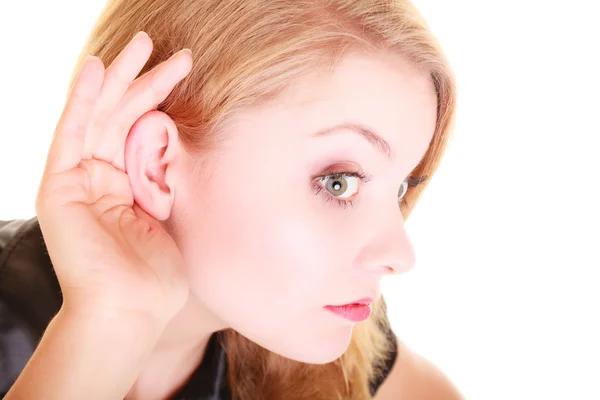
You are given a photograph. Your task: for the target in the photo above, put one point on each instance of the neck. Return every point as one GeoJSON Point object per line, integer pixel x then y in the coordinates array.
{"type": "Point", "coordinates": [177, 354]}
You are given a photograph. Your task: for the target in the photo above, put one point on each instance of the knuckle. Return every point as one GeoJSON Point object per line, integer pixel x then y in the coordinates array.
{"type": "Point", "coordinates": [100, 117]}
{"type": "Point", "coordinates": [72, 125]}
{"type": "Point", "coordinates": [115, 77]}
{"type": "Point", "coordinates": [82, 98]}
{"type": "Point", "coordinates": [119, 126]}
{"type": "Point", "coordinates": [96, 126]}
{"type": "Point", "coordinates": [123, 124]}
{"type": "Point", "coordinates": [153, 87]}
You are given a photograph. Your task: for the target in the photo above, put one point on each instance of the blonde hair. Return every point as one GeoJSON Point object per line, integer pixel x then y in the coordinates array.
{"type": "Point", "coordinates": [247, 52]}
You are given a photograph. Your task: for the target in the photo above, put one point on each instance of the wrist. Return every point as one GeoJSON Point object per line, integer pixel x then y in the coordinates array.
{"type": "Point", "coordinates": [84, 353]}
{"type": "Point", "coordinates": [121, 326]}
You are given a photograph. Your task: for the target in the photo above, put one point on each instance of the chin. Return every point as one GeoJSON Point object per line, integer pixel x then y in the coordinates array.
{"type": "Point", "coordinates": [318, 349]}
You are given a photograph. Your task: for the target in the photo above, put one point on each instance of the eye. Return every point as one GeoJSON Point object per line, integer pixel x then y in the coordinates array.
{"type": "Point", "coordinates": [341, 185]}
{"type": "Point", "coordinates": [410, 182]}
{"type": "Point", "coordinates": [403, 189]}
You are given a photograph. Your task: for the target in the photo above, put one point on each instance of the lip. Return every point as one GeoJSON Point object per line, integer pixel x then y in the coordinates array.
{"type": "Point", "coordinates": [363, 301]}
{"type": "Point", "coordinates": [352, 312]}
{"type": "Point", "coordinates": [357, 311]}
{"type": "Point", "coordinates": [366, 300]}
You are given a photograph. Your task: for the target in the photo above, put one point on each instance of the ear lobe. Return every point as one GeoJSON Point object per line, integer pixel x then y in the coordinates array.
{"type": "Point", "coordinates": [150, 150]}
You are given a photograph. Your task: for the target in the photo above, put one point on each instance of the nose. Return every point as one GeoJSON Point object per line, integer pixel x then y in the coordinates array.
{"type": "Point", "coordinates": [388, 250]}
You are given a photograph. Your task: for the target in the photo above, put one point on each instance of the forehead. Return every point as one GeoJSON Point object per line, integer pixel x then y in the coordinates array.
{"type": "Point", "coordinates": [387, 93]}
{"type": "Point", "coordinates": [387, 74]}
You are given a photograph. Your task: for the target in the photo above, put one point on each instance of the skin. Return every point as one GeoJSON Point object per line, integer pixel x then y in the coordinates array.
{"type": "Point", "coordinates": [415, 377]}
{"type": "Point", "coordinates": [295, 252]}
{"type": "Point", "coordinates": [158, 248]}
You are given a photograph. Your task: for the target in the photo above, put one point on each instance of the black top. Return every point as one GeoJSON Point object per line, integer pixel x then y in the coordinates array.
{"type": "Point", "coordinates": [30, 297]}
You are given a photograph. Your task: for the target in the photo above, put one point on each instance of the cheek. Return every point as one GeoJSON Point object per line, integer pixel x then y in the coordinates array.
{"type": "Point", "coordinates": [253, 254]}
{"type": "Point", "coordinates": [265, 261]}
{"type": "Point", "coordinates": [275, 254]}
{"type": "Point", "coordinates": [271, 284]}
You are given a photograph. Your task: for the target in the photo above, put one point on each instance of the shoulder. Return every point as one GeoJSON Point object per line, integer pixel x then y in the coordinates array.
{"type": "Point", "coordinates": [412, 376]}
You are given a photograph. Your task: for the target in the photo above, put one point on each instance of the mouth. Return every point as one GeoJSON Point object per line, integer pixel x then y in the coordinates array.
{"type": "Point", "coordinates": [357, 311]}
{"type": "Point", "coordinates": [366, 300]}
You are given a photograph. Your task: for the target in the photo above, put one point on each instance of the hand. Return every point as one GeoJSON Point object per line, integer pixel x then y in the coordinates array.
{"type": "Point", "coordinates": [110, 256]}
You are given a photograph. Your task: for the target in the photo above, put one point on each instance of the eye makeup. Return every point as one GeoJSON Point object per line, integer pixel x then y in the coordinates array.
{"type": "Point", "coordinates": [339, 180]}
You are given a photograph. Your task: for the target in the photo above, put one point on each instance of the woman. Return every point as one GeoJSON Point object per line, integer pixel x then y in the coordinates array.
{"type": "Point", "coordinates": [219, 219]}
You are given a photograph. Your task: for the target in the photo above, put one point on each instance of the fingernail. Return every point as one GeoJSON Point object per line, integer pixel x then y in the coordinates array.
{"type": "Point", "coordinates": [179, 52]}
{"type": "Point", "coordinates": [140, 33]}
{"type": "Point", "coordinates": [88, 59]}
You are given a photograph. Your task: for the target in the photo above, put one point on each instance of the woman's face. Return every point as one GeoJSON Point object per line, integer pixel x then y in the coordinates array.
{"type": "Point", "coordinates": [268, 243]}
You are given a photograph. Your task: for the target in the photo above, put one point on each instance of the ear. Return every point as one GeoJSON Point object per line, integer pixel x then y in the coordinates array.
{"type": "Point", "coordinates": [150, 151]}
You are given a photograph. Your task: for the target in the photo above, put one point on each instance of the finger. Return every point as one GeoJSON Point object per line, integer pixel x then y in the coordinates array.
{"type": "Point", "coordinates": [117, 79]}
{"type": "Point", "coordinates": [69, 137]}
{"type": "Point", "coordinates": [144, 94]}
{"type": "Point", "coordinates": [149, 90]}
{"type": "Point", "coordinates": [154, 243]}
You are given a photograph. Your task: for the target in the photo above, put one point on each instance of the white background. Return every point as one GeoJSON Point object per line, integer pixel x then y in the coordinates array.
{"type": "Point", "coordinates": [504, 298]}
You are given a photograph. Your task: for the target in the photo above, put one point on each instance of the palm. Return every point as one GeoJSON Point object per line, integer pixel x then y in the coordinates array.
{"type": "Point", "coordinates": [108, 253]}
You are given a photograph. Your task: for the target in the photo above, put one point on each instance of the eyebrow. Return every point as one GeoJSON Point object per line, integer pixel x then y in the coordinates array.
{"type": "Point", "coordinates": [374, 139]}
{"type": "Point", "coordinates": [362, 130]}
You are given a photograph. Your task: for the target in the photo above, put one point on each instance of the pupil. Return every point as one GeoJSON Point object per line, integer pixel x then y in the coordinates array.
{"type": "Point", "coordinates": [337, 187]}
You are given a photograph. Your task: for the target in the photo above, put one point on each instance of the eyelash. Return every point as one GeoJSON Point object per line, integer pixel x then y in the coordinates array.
{"type": "Point", "coordinates": [344, 203]}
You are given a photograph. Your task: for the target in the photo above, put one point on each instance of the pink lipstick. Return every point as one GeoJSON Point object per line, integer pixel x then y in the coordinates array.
{"type": "Point", "coordinates": [357, 311]}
